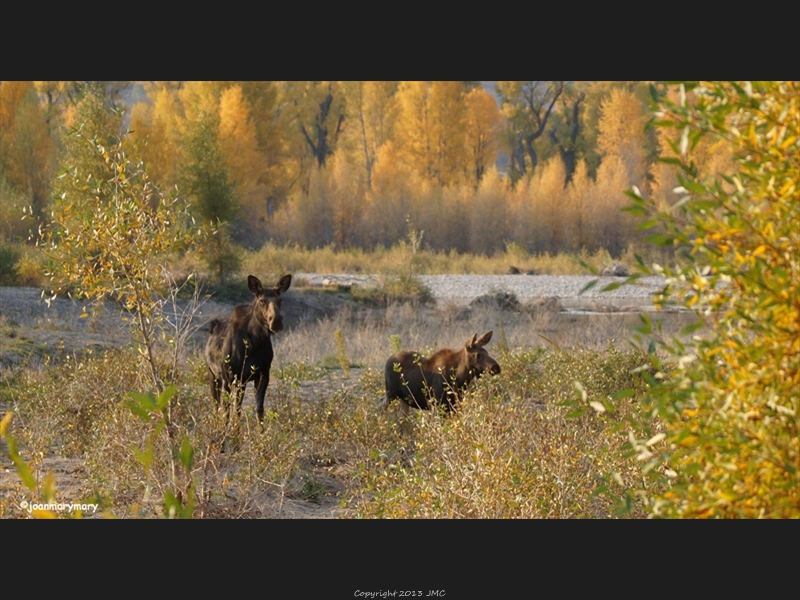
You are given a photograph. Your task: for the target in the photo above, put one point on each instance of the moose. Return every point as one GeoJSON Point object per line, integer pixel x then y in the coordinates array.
{"type": "Point", "coordinates": [439, 379]}
{"type": "Point", "coordinates": [239, 348]}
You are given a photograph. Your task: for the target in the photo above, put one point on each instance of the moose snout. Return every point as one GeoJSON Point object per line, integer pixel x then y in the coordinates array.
{"type": "Point", "coordinates": [494, 369]}
{"type": "Point", "coordinates": [276, 324]}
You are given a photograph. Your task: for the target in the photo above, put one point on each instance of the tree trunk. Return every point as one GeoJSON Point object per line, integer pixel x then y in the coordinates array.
{"type": "Point", "coordinates": [518, 156]}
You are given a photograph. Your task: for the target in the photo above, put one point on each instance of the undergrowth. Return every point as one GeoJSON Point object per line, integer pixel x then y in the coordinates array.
{"type": "Point", "coordinates": [523, 444]}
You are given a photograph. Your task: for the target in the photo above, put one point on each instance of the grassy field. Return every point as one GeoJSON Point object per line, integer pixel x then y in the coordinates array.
{"type": "Point", "coordinates": [401, 259]}
{"type": "Point", "coordinates": [523, 444]}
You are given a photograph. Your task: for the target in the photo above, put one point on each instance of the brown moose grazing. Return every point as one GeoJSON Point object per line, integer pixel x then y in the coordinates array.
{"type": "Point", "coordinates": [439, 379]}
{"type": "Point", "coordinates": [239, 348]}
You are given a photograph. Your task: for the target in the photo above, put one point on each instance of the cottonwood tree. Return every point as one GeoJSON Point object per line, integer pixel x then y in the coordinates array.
{"type": "Point", "coordinates": [160, 124]}
{"type": "Point", "coordinates": [27, 153]}
{"type": "Point", "coordinates": [527, 106]}
{"type": "Point", "coordinates": [622, 133]}
{"type": "Point", "coordinates": [205, 180]}
{"type": "Point", "coordinates": [316, 111]}
{"type": "Point", "coordinates": [245, 164]}
{"type": "Point", "coordinates": [370, 107]}
{"type": "Point", "coordinates": [566, 133]}
{"type": "Point", "coordinates": [430, 129]}
{"type": "Point", "coordinates": [482, 127]}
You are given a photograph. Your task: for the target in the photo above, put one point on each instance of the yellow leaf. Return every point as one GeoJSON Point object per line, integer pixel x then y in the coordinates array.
{"type": "Point", "coordinates": [788, 142]}
{"type": "Point", "coordinates": [787, 187]}
{"type": "Point", "coordinates": [5, 422]}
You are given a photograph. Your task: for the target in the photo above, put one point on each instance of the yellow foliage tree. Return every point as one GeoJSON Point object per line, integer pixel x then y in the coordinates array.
{"type": "Point", "coordinates": [159, 122]}
{"type": "Point", "coordinates": [26, 148]}
{"type": "Point", "coordinates": [430, 129]}
{"type": "Point", "coordinates": [390, 200]}
{"type": "Point", "coordinates": [729, 397]}
{"type": "Point", "coordinates": [487, 215]}
{"type": "Point", "coordinates": [371, 112]}
{"type": "Point", "coordinates": [609, 225]}
{"type": "Point", "coordinates": [245, 164]}
{"type": "Point", "coordinates": [527, 106]}
{"type": "Point", "coordinates": [482, 128]}
{"type": "Point", "coordinates": [621, 133]}
{"type": "Point", "coordinates": [549, 207]}
{"type": "Point", "coordinates": [580, 194]}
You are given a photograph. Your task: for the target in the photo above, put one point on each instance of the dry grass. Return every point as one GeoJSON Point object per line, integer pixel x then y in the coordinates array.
{"type": "Point", "coordinates": [326, 449]}
{"type": "Point", "coordinates": [401, 260]}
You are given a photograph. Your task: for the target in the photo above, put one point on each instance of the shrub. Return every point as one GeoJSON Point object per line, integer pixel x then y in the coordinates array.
{"type": "Point", "coordinates": [729, 399]}
{"type": "Point", "coordinates": [9, 270]}
{"type": "Point", "coordinates": [112, 239]}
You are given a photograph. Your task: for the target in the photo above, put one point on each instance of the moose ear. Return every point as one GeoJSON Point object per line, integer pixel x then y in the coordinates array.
{"type": "Point", "coordinates": [254, 284]}
{"type": "Point", "coordinates": [284, 283]}
{"type": "Point", "coordinates": [484, 339]}
{"type": "Point", "coordinates": [471, 342]}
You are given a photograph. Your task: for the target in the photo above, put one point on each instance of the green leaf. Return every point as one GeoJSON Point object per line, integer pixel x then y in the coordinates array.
{"type": "Point", "coordinates": [165, 396]}
{"type": "Point", "coordinates": [634, 196]}
{"type": "Point", "coordinates": [145, 458]}
{"type": "Point", "coordinates": [636, 210]}
{"type": "Point", "coordinates": [691, 328]}
{"type": "Point", "coordinates": [588, 286]}
{"type": "Point", "coordinates": [612, 286]}
{"type": "Point", "coordinates": [648, 224]}
{"type": "Point", "coordinates": [138, 410]}
{"type": "Point", "coordinates": [646, 326]}
{"type": "Point", "coordinates": [692, 186]}
{"type": "Point", "coordinates": [145, 401]}
{"type": "Point", "coordinates": [186, 454]}
{"type": "Point", "coordinates": [660, 239]}
{"type": "Point", "coordinates": [577, 413]}
{"type": "Point", "coordinates": [622, 394]}
{"type": "Point", "coordinates": [23, 470]}
{"type": "Point", "coordinates": [172, 506]}
{"type": "Point", "coordinates": [654, 93]}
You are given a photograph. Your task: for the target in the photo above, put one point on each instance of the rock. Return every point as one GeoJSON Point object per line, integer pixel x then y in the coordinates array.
{"type": "Point", "coordinates": [512, 270]}
{"type": "Point", "coordinates": [498, 300]}
{"type": "Point", "coordinates": [549, 304]}
{"type": "Point", "coordinates": [616, 270]}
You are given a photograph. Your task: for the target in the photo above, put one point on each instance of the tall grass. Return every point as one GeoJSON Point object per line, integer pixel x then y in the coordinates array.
{"type": "Point", "coordinates": [402, 259]}
{"type": "Point", "coordinates": [325, 448]}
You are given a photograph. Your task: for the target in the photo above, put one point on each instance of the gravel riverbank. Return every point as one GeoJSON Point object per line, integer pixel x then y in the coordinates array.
{"type": "Point", "coordinates": [462, 289]}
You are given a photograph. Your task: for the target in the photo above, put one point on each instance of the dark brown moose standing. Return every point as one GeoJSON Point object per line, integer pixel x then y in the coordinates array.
{"type": "Point", "coordinates": [439, 379]}
{"type": "Point", "coordinates": [239, 349]}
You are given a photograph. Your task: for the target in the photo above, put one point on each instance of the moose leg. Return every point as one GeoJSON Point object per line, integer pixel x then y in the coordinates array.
{"type": "Point", "coordinates": [216, 384]}
{"type": "Point", "coordinates": [261, 391]}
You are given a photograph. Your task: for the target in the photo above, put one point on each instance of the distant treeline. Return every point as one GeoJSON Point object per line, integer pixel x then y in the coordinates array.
{"type": "Point", "coordinates": [355, 164]}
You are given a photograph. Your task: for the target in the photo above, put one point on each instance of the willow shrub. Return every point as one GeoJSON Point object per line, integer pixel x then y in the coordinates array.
{"type": "Point", "coordinates": [729, 399]}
